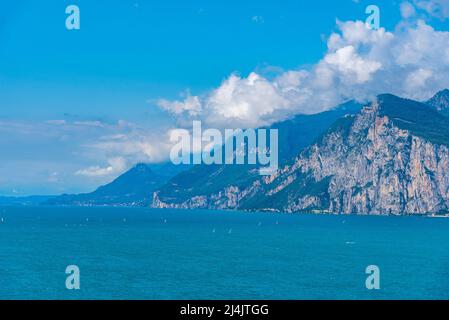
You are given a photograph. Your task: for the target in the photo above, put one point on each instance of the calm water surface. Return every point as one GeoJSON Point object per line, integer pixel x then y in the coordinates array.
{"type": "Point", "coordinates": [127, 253]}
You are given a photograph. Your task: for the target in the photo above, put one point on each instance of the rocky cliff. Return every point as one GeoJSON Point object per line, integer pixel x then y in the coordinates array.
{"type": "Point", "coordinates": [390, 158]}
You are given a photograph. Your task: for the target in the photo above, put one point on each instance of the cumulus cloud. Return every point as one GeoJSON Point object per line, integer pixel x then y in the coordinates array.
{"type": "Point", "coordinates": [190, 105]}
{"type": "Point", "coordinates": [411, 61]}
{"type": "Point", "coordinates": [351, 66]}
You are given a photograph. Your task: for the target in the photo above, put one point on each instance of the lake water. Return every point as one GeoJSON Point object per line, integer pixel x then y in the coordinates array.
{"type": "Point", "coordinates": [127, 253]}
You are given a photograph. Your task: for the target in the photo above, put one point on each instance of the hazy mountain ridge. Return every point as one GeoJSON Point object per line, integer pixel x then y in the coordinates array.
{"type": "Point", "coordinates": [24, 201]}
{"type": "Point", "coordinates": [390, 158]}
{"type": "Point", "coordinates": [133, 188]}
{"type": "Point", "coordinates": [440, 102]}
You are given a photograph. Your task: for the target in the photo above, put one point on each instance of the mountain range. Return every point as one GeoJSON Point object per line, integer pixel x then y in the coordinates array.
{"type": "Point", "coordinates": [133, 188]}
{"type": "Point", "coordinates": [390, 156]}
{"type": "Point", "coordinates": [136, 187]}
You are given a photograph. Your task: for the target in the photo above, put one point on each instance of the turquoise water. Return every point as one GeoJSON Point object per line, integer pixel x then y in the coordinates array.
{"type": "Point", "coordinates": [128, 253]}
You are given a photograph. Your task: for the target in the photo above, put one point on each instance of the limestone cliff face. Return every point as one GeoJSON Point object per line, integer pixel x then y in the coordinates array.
{"type": "Point", "coordinates": [373, 167]}
{"type": "Point", "coordinates": [380, 161]}
{"type": "Point", "coordinates": [227, 199]}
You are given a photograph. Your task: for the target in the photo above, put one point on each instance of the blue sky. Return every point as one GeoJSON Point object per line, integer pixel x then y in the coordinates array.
{"type": "Point", "coordinates": [106, 78]}
{"type": "Point", "coordinates": [131, 51]}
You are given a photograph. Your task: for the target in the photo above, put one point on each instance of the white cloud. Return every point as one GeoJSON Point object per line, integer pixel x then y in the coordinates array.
{"type": "Point", "coordinates": [116, 166]}
{"type": "Point", "coordinates": [89, 123]}
{"type": "Point", "coordinates": [242, 100]}
{"type": "Point", "coordinates": [417, 79]}
{"type": "Point", "coordinates": [412, 61]}
{"type": "Point", "coordinates": [122, 146]}
{"type": "Point", "coordinates": [135, 146]}
{"type": "Point", "coordinates": [352, 67]}
{"type": "Point", "coordinates": [74, 156]}
{"type": "Point", "coordinates": [191, 105]}
{"type": "Point", "coordinates": [56, 122]}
